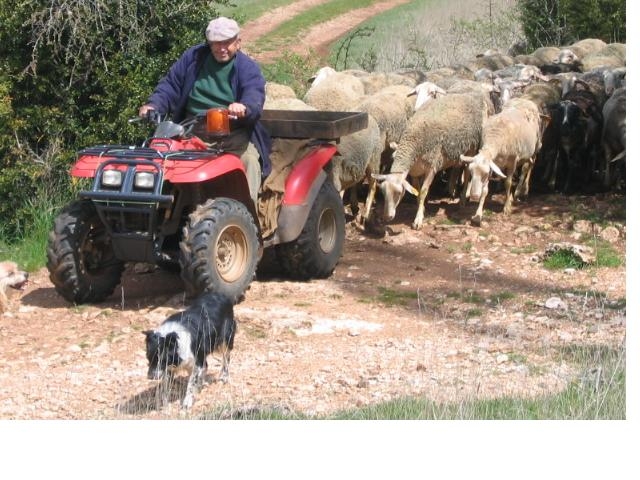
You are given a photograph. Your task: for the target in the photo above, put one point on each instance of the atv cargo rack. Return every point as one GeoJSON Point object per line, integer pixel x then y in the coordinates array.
{"type": "Point", "coordinates": [127, 152]}
{"type": "Point", "coordinates": [312, 123]}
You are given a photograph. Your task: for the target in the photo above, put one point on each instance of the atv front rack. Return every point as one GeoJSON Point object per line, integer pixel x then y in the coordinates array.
{"type": "Point", "coordinates": [129, 152]}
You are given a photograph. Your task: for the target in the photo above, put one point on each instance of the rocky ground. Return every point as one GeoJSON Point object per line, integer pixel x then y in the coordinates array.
{"type": "Point", "coordinates": [449, 312]}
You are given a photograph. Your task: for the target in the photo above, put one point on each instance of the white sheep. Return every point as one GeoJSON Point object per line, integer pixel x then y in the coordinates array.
{"type": "Point", "coordinates": [510, 139]}
{"type": "Point", "coordinates": [586, 46]}
{"type": "Point", "coordinates": [434, 139]}
{"type": "Point", "coordinates": [376, 81]}
{"type": "Point", "coordinates": [613, 55]}
{"type": "Point", "coordinates": [359, 158]}
{"type": "Point", "coordinates": [546, 54]}
{"type": "Point", "coordinates": [492, 62]}
{"type": "Point", "coordinates": [334, 91]}
{"type": "Point", "coordinates": [275, 91]}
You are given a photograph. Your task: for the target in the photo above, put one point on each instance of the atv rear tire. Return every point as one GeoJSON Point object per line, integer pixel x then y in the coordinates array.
{"type": "Point", "coordinates": [219, 251]}
{"type": "Point", "coordinates": [315, 253]}
{"type": "Point", "coordinates": [80, 259]}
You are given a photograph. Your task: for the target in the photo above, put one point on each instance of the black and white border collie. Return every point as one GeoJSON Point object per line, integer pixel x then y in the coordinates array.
{"type": "Point", "coordinates": [185, 339]}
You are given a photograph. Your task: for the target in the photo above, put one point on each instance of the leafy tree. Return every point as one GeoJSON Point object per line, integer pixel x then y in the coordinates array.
{"type": "Point", "coordinates": [71, 73]}
{"type": "Point", "coordinates": [561, 22]}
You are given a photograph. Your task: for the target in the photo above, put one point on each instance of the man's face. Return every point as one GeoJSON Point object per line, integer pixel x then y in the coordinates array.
{"type": "Point", "coordinates": [224, 51]}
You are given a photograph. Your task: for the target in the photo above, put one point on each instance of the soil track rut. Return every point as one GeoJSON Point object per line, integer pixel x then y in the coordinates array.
{"type": "Point", "coordinates": [317, 39]}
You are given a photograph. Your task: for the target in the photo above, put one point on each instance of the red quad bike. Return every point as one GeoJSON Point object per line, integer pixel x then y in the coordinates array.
{"type": "Point", "coordinates": [178, 203]}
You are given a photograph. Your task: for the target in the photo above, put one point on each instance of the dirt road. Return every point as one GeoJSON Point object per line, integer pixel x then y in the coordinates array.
{"type": "Point", "coordinates": [317, 39]}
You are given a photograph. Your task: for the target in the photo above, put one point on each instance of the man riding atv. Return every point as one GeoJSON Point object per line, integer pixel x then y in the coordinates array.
{"type": "Point", "coordinates": [218, 74]}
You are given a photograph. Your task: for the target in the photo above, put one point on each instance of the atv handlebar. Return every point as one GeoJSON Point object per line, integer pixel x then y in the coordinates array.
{"type": "Point", "coordinates": [169, 129]}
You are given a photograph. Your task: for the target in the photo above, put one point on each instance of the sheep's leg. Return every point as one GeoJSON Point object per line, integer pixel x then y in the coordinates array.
{"type": "Point", "coordinates": [424, 190]}
{"type": "Point", "coordinates": [373, 185]}
{"type": "Point", "coordinates": [606, 177]}
{"type": "Point", "coordinates": [522, 190]}
{"type": "Point", "coordinates": [551, 171]}
{"type": "Point", "coordinates": [476, 220]}
{"type": "Point", "coordinates": [454, 176]}
{"type": "Point", "coordinates": [508, 195]}
{"type": "Point", "coordinates": [353, 199]}
{"type": "Point", "coordinates": [466, 188]}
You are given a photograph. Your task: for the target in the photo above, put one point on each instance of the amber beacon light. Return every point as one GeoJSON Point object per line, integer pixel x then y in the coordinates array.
{"type": "Point", "coordinates": [218, 121]}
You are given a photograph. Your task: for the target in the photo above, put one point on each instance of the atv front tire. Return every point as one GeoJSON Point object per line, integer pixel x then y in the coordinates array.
{"type": "Point", "coordinates": [80, 259]}
{"type": "Point", "coordinates": [219, 250]}
{"type": "Point", "coordinates": [315, 253]}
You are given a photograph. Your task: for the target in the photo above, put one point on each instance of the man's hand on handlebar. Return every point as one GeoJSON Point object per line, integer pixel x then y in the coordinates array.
{"type": "Point", "coordinates": [237, 110]}
{"type": "Point", "coordinates": [144, 110]}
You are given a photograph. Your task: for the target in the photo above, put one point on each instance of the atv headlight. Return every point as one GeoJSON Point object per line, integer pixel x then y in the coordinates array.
{"type": "Point", "coordinates": [144, 180]}
{"type": "Point", "coordinates": [112, 178]}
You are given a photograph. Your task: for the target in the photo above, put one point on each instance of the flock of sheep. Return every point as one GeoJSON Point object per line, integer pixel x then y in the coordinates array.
{"type": "Point", "coordinates": [555, 118]}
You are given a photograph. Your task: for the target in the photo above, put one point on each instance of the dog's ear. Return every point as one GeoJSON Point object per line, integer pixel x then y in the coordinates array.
{"type": "Point", "coordinates": [148, 333]}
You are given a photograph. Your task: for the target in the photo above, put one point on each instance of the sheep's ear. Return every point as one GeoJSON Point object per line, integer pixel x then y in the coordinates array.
{"type": "Point", "coordinates": [379, 177]}
{"type": "Point", "coordinates": [410, 188]}
{"type": "Point", "coordinates": [466, 158]}
{"type": "Point", "coordinates": [496, 170]}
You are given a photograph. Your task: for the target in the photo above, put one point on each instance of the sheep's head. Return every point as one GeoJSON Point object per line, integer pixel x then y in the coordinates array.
{"type": "Point", "coordinates": [425, 92]}
{"type": "Point", "coordinates": [320, 75]}
{"type": "Point", "coordinates": [479, 169]}
{"type": "Point", "coordinates": [566, 56]}
{"type": "Point", "coordinates": [393, 186]}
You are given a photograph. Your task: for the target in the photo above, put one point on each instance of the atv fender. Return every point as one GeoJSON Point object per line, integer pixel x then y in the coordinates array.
{"type": "Point", "coordinates": [196, 171]}
{"type": "Point", "coordinates": [301, 189]}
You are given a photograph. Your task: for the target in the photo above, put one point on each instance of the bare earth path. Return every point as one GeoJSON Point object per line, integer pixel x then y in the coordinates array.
{"type": "Point", "coordinates": [318, 38]}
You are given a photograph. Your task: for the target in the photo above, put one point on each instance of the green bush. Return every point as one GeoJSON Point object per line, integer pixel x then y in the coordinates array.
{"type": "Point", "coordinates": [71, 73]}
{"type": "Point", "coordinates": [562, 22]}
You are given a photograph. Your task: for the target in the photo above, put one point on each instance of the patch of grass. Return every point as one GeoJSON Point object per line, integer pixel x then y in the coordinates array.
{"type": "Point", "coordinates": [425, 34]}
{"type": "Point", "coordinates": [245, 10]}
{"type": "Point", "coordinates": [293, 70]}
{"type": "Point", "coordinates": [474, 312]}
{"type": "Point", "coordinates": [302, 304]}
{"type": "Point", "coordinates": [561, 259]}
{"type": "Point", "coordinates": [395, 297]}
{"type": "Point", "coordinates": [500, 297]}
{"type": "Point", "coordinates": [517, 358]}
{"type": "Point", "coordinates": [449, 221]}
{"type": "Point", "coordinates": [606, 255]}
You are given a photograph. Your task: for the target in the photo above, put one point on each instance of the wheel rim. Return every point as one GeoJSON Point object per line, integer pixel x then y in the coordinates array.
{"type": "Point", "coordinates": [231, 253]}
{"type": "Point", "coordinates": [327, 231]}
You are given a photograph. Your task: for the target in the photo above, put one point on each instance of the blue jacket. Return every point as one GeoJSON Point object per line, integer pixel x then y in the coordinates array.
{"type": "Point", "coordinates": [248, 85]}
